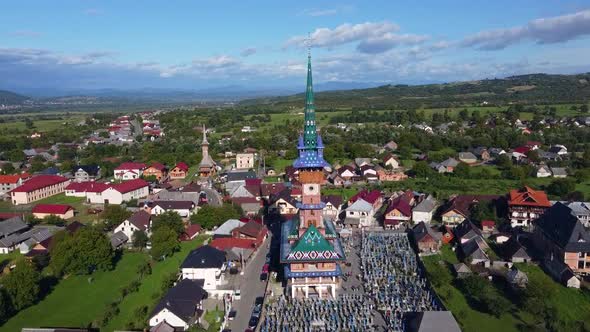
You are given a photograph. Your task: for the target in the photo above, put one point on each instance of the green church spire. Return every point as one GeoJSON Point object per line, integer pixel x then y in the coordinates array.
{"type": "Point", "coordinates": [310, 131]}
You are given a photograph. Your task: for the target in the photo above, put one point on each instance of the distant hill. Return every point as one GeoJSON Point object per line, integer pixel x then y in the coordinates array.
{"type": "Point", "coordinates": [528, 89]}
{"type": "Point", "coordinates": [11, 98]}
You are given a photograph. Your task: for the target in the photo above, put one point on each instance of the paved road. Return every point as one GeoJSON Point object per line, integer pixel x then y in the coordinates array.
{"type": "Point", "coordinates": [251, 287]}
{"type": "Point", "coordinates": [213, 197]}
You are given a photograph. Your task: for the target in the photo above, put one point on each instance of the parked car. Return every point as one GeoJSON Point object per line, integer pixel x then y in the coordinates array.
{"type": "Point", "coordinates": [232, 314]}
{"type": "Point", "coordinates": [265, 268]}
{"type": "Point", "coordinates": [253, 322]}
{"type": "Point", "coordinates": [259, 300]}
{"type": "Point", "coordinates": [237, 294]}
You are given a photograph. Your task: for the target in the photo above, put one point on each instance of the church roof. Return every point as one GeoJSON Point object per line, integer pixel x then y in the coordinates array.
{"type": "Point", "coordinates": [313, 246]}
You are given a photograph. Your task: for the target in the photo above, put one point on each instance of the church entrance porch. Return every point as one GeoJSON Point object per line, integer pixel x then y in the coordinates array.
{"type": "Point", "coordinates": [325, 291]}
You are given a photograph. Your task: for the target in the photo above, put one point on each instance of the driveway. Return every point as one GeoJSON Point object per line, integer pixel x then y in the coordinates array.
{"type": "Point", "coordinates": [250, 287]}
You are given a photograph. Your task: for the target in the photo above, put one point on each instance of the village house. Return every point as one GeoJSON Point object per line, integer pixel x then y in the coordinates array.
{"type": "Point", "coordinates": [283, 203]}
{"type": "Point", "coordinates": [372, 197]}
{"type": "Point", "coordinates": [252, 230]}
{"type": "Point", "coordinates": [562, 237]}
{"type": "Point", "coordinates": [333, 203]}
{"type": "Point", "coordinates": [514, 252]}
{"type": "Point", "coordinates": [180, 308]}
{"type": "Point", "coordinates": [447, 166]}
{"type": "Point", "coordinates": [543, 171]}
{"type": "Point", "coordinates": [10, 229]}
{"type": "Point", "coordinates": [129, 171]}
{"type": "Point", "coordinates": [156, 170]}
{"type": "Point", "coordinates": [482, 153]}
{"type": "Point", "coordinates": [85, 173]}
{"type": "Point", "coordinates": [237, 178]}
{"type": "Point", "coordinates": [245, 161]}
{"type": "Point", "coordinates": [559, 172]}
{"type": "Point", "coordinates": [182, 208]}
{"type": "Point", "coordinates": [9, 182]}
{"type": "Point", "coordinates": [63, 211]}
{"type": "Point", "coordinates": [138, 221]}
{"type": "Point", "coordinates": [118, 193]}
{"type": "Point", "coordinates": [424, 211]}
{"type": "Point", "coordinates": [38, 187]}
{"type": "Point", "coordinates": [398, 211]}
{"type": "Point", "coordinates": [467, 157]}
{"type": "Point", "coordinates": [179, 171]}
{"type": "Point", "coordinates": [466, 231]}
{"type": "Point", "coordinates": [581, 210]}
{"type": "Point", "coordinates": [526, 205]}
{"type": "Point", "coordinates": [384, 175]}
{"type": "Point", "coordinates": [37, 240]}
{"type": "Point", "coordinates": [206, 263]}
{"type": "Point", "coordinates": [225, 229]}
{"type": "Point", "coordinates": [426, 239]}
{"type": "Point", "coordinates": [346, 172]}
{"type": "Point", "coordinates": [390, 146]}
{"type": "Point", "coordinates": [458, 208]}
{"type": "Point", "coordinates": [360, 162]}
{"type": "Point", "coordinates": [269, 189]}
{"type": "Point", "coordinates": [390, 161]}
{"type": "Point", "coordinates": [359, 214]}
{"type": "Point", "coordinates": [474, 251]}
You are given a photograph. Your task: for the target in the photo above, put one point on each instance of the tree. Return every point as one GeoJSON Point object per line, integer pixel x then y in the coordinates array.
{"type": "Point", "coordinates": [5, 306]}
{"type": "Point", "coordinates": [113, 215]}
{"type": "Point", "coordinates": [54, 220]}
{"type": "Point", "coordinates": [86, 251]}
{"type": "Point", "coordinates": [210, 216]}
{"type": "Point", "coordinates": [8, 168]}
{"type": "Point", "coordinates": [170, 219]}
{"type": "Point", "coordinates": [421, 169]}
{"type": "Point", "coordinates": [164, 242]}
{"type": "Point", "coordinates": [584, 108]}
{"type": "Point", "coordinates": [504, 162]}
{"type": "Point", "coordinates": [462, 170]}
{"type": "Point", "coordinates": [561, 187]}
{"type": "Point", "coordinates": [22, 285]}
{"type": "Point", "coordinates": [140, 239]}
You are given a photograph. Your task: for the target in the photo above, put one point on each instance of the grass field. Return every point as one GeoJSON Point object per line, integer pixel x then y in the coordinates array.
{"type": "Point", "coordinates": [151, 285]}
{"type": "Point", "coordinates": [280, 164]}
{"type": "Point", "coordinates": [43, 125]}
{"type": "Point", "coordinates": [77, 301]}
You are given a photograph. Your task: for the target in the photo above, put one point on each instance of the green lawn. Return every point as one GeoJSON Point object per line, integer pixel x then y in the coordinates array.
{"type": "Point", "coordinates": [345, 193]}
{"type": "Point", "coordinates": [468, 318]}
{"type": "Point", "coordinates": [151, 285]}
{"type": "Point", "coordinates": [76, 301]}
{"type": "Point", "coordinates": [570, 304]}
{"type": "Point", "coordinates": [76, 202]}
{"type": "Point", "coordinates": [43, 125]}
{"type": "Point", "coordinates": [280, 164]}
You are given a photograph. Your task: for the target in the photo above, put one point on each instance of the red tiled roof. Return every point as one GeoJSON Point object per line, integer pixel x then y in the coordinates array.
{"type": "Point", "coordinates": [529, 197]}
{"type": "Point", "coordinates": [296, 191]}
{"type": "Point", "coordinates": [89, 186]}
{"type": "Point", "coordinates": [223, 243]}
{"type": "Point", "coordinates": [38, 182]}
{"type": "Point", "coordinates": [127, 186]}
{"type": "Point", "coordinates": [400, 204]}
{"type": "Point", "coordinates": [13, 178]}
{"type": "Point", "coordinates": [251, 228]}
{"type": "Point", "coordinates": [182, 166]}
{"type": "Point", "coordinates": [268, 189]}
{"type": "Point", "coordinates": [462, 203]}
{"type": "Point", "coordinates": [52, 208]}
{"type": "Point", "coordinates": [130, 166]}
{"type": "Point", "coordinates": [371, 197]}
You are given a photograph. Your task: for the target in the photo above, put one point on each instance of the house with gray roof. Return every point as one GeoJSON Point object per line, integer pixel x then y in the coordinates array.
{"type": "Point", "coordinates": [424, 211]}
{"type": "Point", "coordinates": [559, 172]}
{"type": "Point", "coordinates": [227, 227]}
{"type": "Point", "coordinates": [10, 231]}
{"type": "Point", "coordinates": [467, 157]}
{"type": "Point", "coordinates": [359, 214]}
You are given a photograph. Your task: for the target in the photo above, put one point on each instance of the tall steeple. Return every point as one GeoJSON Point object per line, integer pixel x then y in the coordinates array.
{"type": "Point", "coordinates": [310, 130]}
{"type": "Point", "coordinates": [205, 146]}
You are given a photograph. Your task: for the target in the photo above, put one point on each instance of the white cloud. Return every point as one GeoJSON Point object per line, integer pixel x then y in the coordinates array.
{"type": "Point", "coordinates": [542, 31]}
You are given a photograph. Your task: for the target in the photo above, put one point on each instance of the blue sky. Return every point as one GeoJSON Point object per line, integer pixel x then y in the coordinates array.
{"type": "Point", "coordinates": [198, 44]}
